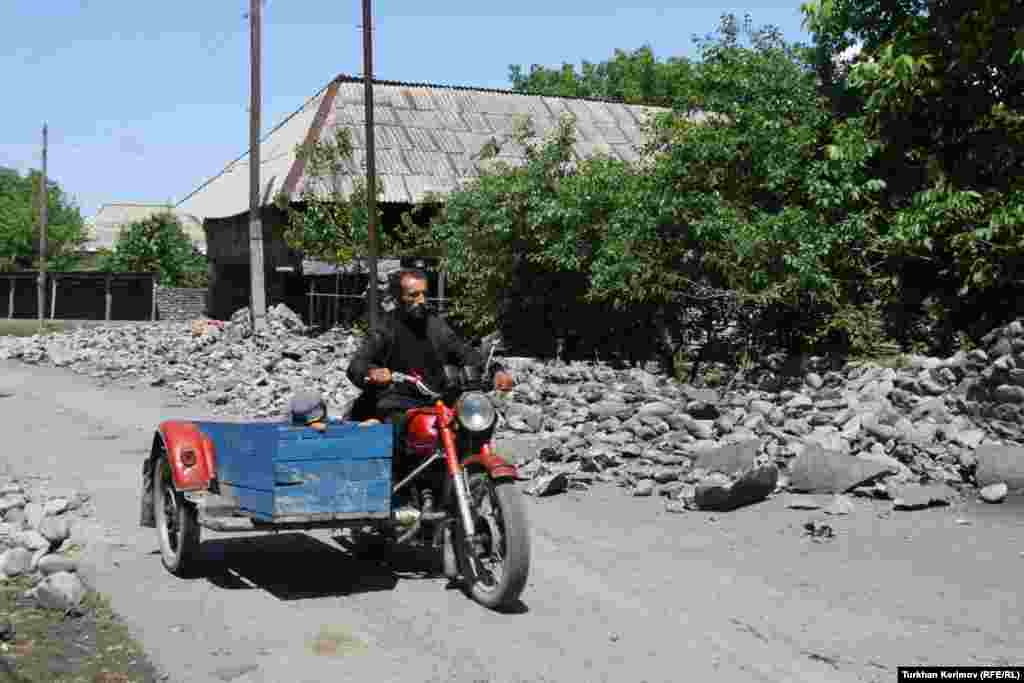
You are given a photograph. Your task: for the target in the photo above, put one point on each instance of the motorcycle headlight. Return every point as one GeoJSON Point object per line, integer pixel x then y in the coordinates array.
{"type": "Point", "coordinates": [476, 412]}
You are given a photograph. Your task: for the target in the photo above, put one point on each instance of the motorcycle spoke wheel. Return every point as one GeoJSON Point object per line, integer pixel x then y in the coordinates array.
{"type": "Point", "coordinates": [497, 576]}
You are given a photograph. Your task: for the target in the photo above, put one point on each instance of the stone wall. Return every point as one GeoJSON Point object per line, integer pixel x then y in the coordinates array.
{"type": "Point", "coordinates": [180, 303]}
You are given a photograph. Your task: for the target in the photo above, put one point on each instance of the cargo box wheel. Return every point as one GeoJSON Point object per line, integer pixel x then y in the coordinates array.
{"type": "Point", "coordinates": [177, 524]}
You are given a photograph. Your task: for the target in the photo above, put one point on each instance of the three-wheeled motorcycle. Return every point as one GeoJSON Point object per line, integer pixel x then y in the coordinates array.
{"type": "Point", "coordinates": [442, 484]}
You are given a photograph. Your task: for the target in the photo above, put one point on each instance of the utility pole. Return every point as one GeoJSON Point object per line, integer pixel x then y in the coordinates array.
{"type": "Point", "coordinates": [258, 294]}
{"type": "Point", "coordinates": [44, 201]}
{"type": "Point", "coordinates": [371, 162]}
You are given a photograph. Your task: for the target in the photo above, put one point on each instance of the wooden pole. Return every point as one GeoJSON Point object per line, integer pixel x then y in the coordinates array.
{"type": "Point", "coordinates": [10, 297]}
{"type": "Point", "coordinates": [440, 290]}
{"type": "Point", "coordinates": [109, 299]}
{"type": "Point", "coordinates": [312, 297]}
{"type": "Point", "coordinates": [371, 162]}
{"type": "Point", "coordinates": [53, 297]}
{"type": "Point", "coordinates": [156, 284]}
{"type": "Point", "coordinates": [43, 206]}
{"type": "Point", "coordinates": [258, 294]}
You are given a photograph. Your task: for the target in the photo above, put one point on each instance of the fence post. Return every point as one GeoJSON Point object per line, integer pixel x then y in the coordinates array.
{"type": "Point", "coordinates": [53, 297]}
{"type": "Point", "coordinates": [109, 299]}
{"type": "Point", "coordinates": [312, 298]}
{"type": "Point", "coordinates": [10, 297]}
{"type": "Point", "coordinates": [152, 313]}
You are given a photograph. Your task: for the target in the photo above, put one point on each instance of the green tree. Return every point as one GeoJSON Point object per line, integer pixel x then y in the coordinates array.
{"type": "Point", "coordinates": [328, 221]}
{"type": "Point", "coordinates": [158, 244]}
{"type": "Point", "coordinates": [19, 223]}
{"type": "Point", "coordinates": [940, 90]}
{"type": "Point", "coordinates": [633, 76]}
{"type": "Point", "coordinates": [759, 203]}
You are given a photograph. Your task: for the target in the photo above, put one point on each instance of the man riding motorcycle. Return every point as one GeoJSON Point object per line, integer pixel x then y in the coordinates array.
{"type": "Point", "coordinates": [413, 341]}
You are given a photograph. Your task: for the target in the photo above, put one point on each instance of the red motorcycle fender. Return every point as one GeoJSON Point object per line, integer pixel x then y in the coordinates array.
{"type": "Point", "coordinates": [190, 453]}
{"type": "Point", "coordinates": [497, 467]}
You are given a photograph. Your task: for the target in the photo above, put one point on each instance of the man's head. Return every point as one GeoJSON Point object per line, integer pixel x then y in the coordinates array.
{"type": "Point", "coordinates": [412, 293]}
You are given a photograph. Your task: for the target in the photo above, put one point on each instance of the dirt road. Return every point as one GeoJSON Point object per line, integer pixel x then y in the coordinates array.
{"type": "Point", "coordinates": [620, 590]}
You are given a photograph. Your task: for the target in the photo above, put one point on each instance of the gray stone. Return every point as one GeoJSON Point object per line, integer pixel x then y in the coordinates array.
{"type": "Point", "coordinates": [656, 408]}
{"type": "Point", "coordinates": [59, 591]}
{"type": "Point", "coordinates": [814, 380]}
{"type": "Point", "coordinates": [840, 505]}
{"type": "Point", "coordinates": [33, 515]}
{"type": "Point", "coordinates": [802, 503]}
{"type": "Point", "coordinates": [55, 529]}
{"type": "Point", "coordinates": [731, 458]}
{"type": "Point", "coordinates": [608, 409]}
{"type": "Point", "coordinates": [701, 429]}
{"type": "Point", "coordinates": [994, 493]}
{"type": "Point", "coordinates": [998, 463]}
{"type": "Point", "coordinates": [1008, 393]}
{"type": "Point", "coordinates": [51, 564]}
{"type": "Point", "coordinates": [548, 485]}
{"type": "Point", "coordinates": [644, 488]}
{"type": "Point", "coordinates": [31, 539]}
{"type": "Point", "coordinates": [919, 496]}
{"type": "Point", "coordinates": [520, 450]}
{"type": "Point", "coordinates": [11, 502]}
{"type": "Point", "coordinates": [751, 487]}
{"type": "Point", "coordinates": [819, 471]}
{"type": "Point", "coordinates": [15, 562]}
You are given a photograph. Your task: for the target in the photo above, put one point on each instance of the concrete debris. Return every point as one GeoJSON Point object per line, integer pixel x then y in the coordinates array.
{"type": "Point", "coordinates": [824, 427]}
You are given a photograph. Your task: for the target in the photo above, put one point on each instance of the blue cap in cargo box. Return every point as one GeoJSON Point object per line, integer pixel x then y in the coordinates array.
{"type": "Point", "coordinates": [306, 408]}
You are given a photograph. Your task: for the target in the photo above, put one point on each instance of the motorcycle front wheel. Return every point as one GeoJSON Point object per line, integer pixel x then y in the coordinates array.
{"type": "Point", "coordinates": [495, 571]}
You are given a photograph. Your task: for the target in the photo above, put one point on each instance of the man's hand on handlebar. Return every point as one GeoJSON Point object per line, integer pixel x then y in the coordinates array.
{"type": "Point", "coordinates": [502, 381]}
{"type": "Point", "coordinates": [379, 376]}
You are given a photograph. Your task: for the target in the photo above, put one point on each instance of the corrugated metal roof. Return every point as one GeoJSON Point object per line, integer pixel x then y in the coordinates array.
{"type": "Point", "coordinates": [107, 223]}
{"type": "Point", "coordinates": [428, 138]}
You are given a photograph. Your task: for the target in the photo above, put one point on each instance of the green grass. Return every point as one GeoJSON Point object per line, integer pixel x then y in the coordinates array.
{"type": "Point", "coordinates": [95, 647]}
{"type": "Point", "coordinates": [26, 328]}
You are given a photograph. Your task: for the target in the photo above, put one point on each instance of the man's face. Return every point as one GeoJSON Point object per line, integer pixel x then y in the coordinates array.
{"type": "Point", "coordinates": [414, 297]}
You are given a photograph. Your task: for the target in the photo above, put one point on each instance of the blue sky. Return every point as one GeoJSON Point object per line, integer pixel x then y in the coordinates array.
{"type": "Point", "coordinates": [146, 100]}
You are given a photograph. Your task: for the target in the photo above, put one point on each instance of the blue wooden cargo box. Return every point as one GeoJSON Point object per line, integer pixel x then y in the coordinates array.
{"type": "Point", "coordinates": [280, 473]}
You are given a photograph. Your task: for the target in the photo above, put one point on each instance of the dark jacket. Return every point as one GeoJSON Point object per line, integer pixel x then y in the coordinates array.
{"type": "Point", "coordinates": [375, 351]}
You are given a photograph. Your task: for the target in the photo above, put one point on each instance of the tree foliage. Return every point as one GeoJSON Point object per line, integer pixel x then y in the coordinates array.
{"type": "Point", "coordinates": [635, 76]}
{"type": "Point", "coordinates": [158, 244]}
{"type": "Point", "coordinates": [329, 219]}
{"type": "Point", "coordinates": [20, 221]}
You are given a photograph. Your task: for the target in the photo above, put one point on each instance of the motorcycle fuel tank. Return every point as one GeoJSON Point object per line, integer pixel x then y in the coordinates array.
{"type": "Point", "coordinates": [422, 433]}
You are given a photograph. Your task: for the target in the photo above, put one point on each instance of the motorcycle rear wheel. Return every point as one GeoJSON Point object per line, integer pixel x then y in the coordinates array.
{"type": "Point", "coordinates": [498, 577]}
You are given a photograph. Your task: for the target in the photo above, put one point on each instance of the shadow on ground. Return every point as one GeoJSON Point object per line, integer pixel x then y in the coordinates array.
{"type": "Point", "coordinates": [296, 566]}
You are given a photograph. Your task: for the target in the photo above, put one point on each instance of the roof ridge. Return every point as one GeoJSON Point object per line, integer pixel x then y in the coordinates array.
{"type": "Point", "coordinates": [348, 78]}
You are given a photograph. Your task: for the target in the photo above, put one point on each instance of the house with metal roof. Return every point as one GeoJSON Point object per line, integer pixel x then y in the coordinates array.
{"type": "Point", "coordinates": [106, 225]}
{"type": "Point", "coordinates": [428, 141]}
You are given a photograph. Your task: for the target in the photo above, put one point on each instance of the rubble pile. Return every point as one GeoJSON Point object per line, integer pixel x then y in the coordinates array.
{"type": "Point", "coordinates": [919, 434]}
{"type": "Point", "coordinates": [223, 364]}
{"type": "Point", "coordinates": [36, 528]}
